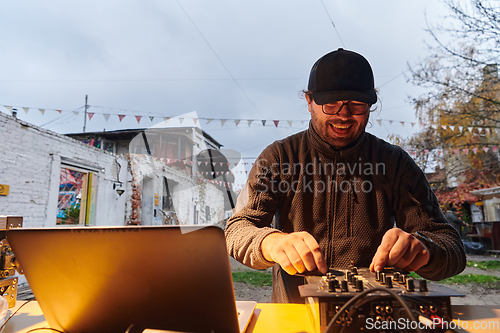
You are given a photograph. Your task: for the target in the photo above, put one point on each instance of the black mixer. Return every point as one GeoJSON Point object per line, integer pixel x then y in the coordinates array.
{"type": "Point", "coordinates": [358, 300]}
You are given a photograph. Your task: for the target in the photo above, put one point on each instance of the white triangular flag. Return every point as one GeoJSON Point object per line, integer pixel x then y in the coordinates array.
{"type": "Point", "coordinates": [250, 121]}
{"type": "Point", "coordinates": [42, 111]}
{"type": "Point", "coordinates": [290, 122]}
{"type": "Point", "coordinates": [222, 122]}
{"type": "Point", "coordinates": [26, 109]}
{"type": "Point", "coordinates": [106, 116]}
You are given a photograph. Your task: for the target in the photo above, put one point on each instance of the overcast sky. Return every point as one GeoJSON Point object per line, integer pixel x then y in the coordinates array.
{"type": "Point", "coordinates": [224, 59]}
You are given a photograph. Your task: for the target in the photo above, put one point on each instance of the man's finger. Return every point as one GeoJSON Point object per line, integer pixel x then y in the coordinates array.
{"type": "Point", "coordinates": [305, 259]}
{"type": "Point", "coordinates": [319, 260]}
{"type": "Point", "coordinates": [284, 261]}
{"type": "Point", "coordinates": [381, 257]}
{"type": "Point", "coordinates": [399, 250]}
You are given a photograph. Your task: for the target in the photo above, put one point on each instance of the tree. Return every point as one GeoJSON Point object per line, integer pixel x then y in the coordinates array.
{"type": "Point", "coordinates": [463, 91]}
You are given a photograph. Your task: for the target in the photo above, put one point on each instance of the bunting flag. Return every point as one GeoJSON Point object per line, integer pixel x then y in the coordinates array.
{"type": "Point", "coordinates": [90, 114]}
{"type": "Point", "coordinates": [138, 117]}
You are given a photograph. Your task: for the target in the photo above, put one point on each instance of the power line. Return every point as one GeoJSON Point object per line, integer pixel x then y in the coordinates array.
{"type": "Point", "coordinates": [331, 20]}
{"type": "Point", "coordinates": [217, 56]}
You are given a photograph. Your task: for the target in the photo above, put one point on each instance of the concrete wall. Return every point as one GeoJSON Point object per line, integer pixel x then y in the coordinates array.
{"type": "Point", "coordinates": [30, 163]}
{"type": "Point", "coordinates": [190, 197]}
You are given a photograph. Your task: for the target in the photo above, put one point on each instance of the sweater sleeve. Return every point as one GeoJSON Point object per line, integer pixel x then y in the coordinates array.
{"type": "Point", "coordinates": [417, 209]}
{"type": "Point", "coordinates": [255, 209]}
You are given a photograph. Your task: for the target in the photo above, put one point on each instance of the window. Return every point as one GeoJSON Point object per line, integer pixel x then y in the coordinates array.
{"type": "Point", "coordinates": [207, 214]}
{"type": "Point", "coordinates": [77, 196]}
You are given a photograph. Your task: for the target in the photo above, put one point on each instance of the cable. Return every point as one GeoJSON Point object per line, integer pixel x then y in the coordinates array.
{"type": "Point", "coordinates": [331, 326]}
{"type": "Point", "coordinates": [12, 315]}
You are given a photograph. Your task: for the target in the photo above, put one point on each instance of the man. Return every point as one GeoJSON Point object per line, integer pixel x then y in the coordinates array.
{"type": "Point", "coordinates": [451, 216]}
{"type": "Point", "coordinates": [336, 192]}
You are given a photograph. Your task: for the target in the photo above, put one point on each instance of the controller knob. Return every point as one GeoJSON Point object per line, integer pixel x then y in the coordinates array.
{"type": "Point", "coordinates": [359, 285]}
{"type": "Point", "coordinates": [423, 285]}
{"type": "Point", "coordinates": [410, 285]}
{"type": "Point", "coordinates": [344, 286]}
{"type": "Point", "coordinates": [332, 284]}
{"type": "Point", "coordinates": [388, 282]}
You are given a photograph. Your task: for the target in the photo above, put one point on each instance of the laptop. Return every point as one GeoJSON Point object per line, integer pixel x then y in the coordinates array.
{"type": "Point", "coordinates": [129, 279]}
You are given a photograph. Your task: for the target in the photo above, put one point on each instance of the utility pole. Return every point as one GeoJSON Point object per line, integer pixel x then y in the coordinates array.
{"type": "Point", "coordinates": [85, 114]}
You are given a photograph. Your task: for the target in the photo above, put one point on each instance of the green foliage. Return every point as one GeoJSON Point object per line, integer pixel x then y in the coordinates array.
{"type": "Point", "coordinates": [490, 264]}
{"type": "Point", "coordinates": [255, 278]}
{"type": "Point", "coordinates": [489, 280]}
{"type": "Point", "coordinates": [72, 214]}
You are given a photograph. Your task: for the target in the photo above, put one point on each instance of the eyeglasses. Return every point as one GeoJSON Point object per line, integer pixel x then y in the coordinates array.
{"type": "Point", "coordinates": [355, 108]}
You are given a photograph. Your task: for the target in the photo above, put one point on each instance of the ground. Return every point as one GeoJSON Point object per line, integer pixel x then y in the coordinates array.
{"type": "Point", "coordinates": [475, 293]}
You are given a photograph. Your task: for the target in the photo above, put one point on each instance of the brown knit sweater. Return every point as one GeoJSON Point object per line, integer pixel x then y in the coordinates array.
{"type": "Point", "coordinates": [347, 199]}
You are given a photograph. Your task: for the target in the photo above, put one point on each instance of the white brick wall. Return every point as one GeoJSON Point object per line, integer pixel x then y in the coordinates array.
{"type": "Point", "coordinates": [30, 162]}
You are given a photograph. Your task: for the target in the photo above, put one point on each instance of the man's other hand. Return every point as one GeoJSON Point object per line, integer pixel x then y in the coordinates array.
{"type": "Point", "coordinates": [296, 252]}
{"type": "Point", "coordinates": [400, 250]}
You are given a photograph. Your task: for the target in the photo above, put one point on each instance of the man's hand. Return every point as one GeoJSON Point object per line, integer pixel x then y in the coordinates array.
{"type": "Point", "coordinates": [401, 250]}
{"type": "Point", "coordinates": [295, 252]}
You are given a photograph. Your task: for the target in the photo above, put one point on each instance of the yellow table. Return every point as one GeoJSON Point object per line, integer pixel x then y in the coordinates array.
{"type": "Point", "coordinates": [280, 318]}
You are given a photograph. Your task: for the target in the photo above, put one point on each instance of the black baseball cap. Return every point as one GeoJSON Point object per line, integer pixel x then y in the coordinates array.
{"type": "Point", "coordinates": [342, 75]}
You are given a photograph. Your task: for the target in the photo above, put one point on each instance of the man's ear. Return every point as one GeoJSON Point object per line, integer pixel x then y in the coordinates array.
{"type": "Point", "coordinates": [309, 102]}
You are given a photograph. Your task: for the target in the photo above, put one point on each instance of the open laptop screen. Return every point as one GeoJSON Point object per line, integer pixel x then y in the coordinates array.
{"type": "Point", "coordinates": [107, 279]}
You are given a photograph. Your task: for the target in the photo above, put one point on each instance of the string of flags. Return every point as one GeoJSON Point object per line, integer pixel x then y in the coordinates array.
{"type": "Point", "coordinates": [248, 122]}
{"type": "Point", "coordinates": [450, 151]}
{"type": "Point", "coordinates": [194, 121]}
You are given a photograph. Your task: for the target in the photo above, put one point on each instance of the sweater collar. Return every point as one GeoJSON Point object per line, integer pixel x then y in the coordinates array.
{"type": "Point", "coordinates": [328, 150]}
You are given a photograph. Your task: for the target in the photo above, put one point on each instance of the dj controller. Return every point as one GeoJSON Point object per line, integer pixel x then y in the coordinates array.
{"type": "Point", "coordinates": [362, 301]}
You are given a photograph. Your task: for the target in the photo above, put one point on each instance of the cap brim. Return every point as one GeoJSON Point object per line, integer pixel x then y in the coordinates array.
{"type": "Point", "coordinates": [325, 97]}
